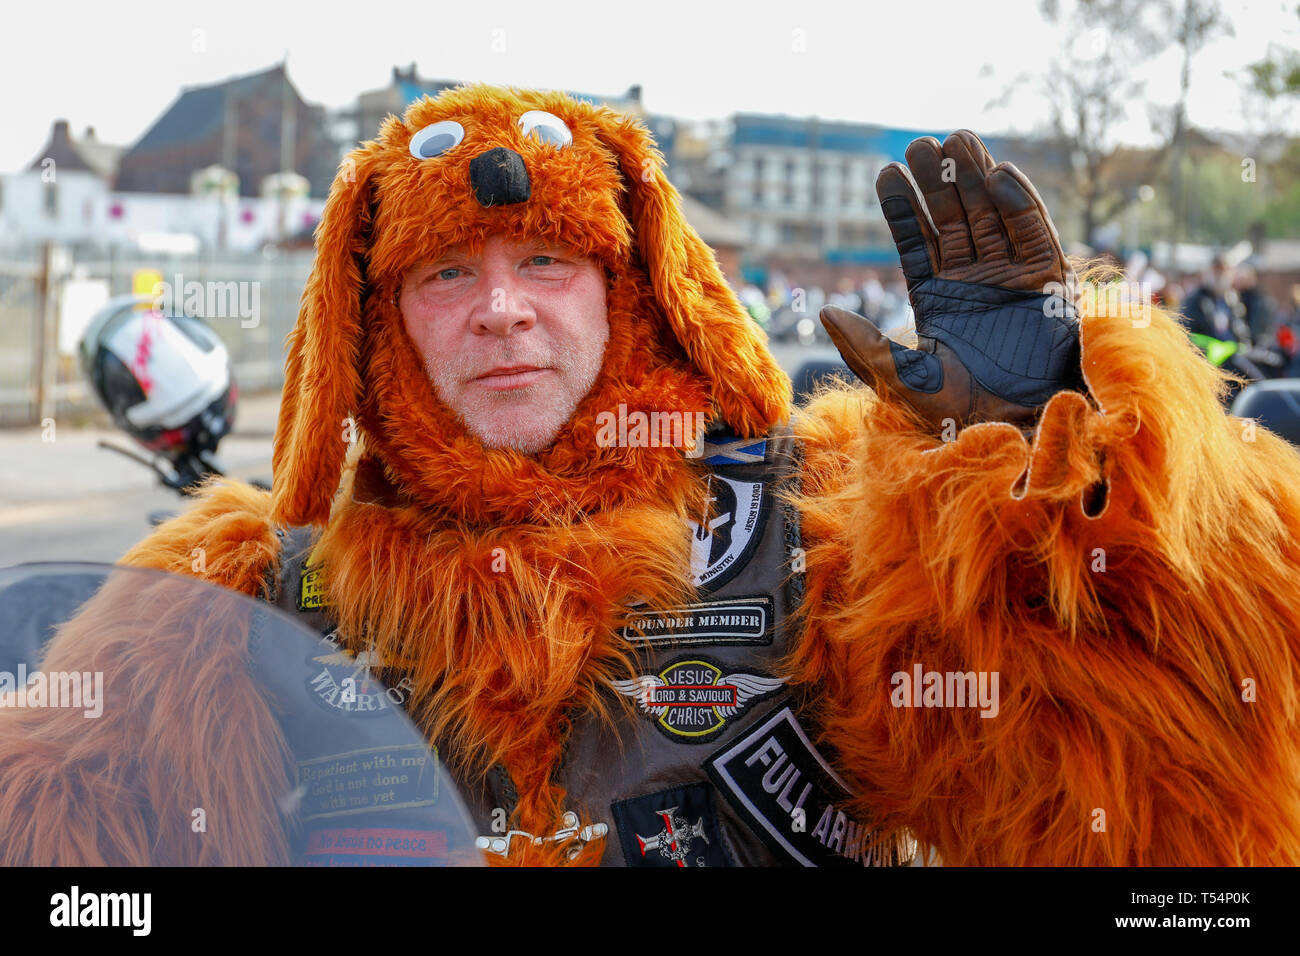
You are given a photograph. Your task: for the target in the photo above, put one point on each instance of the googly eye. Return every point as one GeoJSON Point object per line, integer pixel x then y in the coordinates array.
{"type": "Point", "coordinates": [436, 139]}
{"type": "Point", "coordinates": [545, 127]}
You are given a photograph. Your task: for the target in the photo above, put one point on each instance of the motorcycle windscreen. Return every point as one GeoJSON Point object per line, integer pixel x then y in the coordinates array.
{"type": "Point", "coordinates": [153, 719]}
{"type": "Point", "coordinates": [1274, 404]}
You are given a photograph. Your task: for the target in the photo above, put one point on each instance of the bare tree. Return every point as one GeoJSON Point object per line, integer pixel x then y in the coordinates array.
{"type": "Point", "coordinates": [1090, 86]}
{"type": "Point", "coordinates": [1272, 86]}
{"type": "Point", "coordinates": [1196, 24]}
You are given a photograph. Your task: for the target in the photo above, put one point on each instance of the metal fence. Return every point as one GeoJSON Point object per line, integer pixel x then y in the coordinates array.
{"type": "Point", "coordinates": [38, 309]}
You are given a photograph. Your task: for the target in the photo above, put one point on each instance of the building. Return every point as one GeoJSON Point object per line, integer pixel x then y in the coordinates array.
{"type": "Point", "coordinates": [255, 126]}
{"type": "Point", "coordinates": [66, 195]}
{"type": "Point", "coordinates": [59, 196]}
{"type": "Point", "coordinates": [362, 120]}
{"type": "Point", "coordinates": [803, 189]}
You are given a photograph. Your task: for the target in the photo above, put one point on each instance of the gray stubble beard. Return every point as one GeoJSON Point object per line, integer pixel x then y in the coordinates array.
{"type": "Point", "coordinates": [527, 441]}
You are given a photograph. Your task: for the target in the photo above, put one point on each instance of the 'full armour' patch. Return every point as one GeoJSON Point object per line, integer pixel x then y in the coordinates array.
{"type": "Point", "coordinates": [776, 778]}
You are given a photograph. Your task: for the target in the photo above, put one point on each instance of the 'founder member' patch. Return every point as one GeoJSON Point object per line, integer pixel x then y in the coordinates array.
{"type": "Point", "coordinates": [739, 620]}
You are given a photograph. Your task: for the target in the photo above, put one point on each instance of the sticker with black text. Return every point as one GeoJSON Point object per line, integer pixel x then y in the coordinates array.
{"type": "Point", "coordinates": [311, 595]}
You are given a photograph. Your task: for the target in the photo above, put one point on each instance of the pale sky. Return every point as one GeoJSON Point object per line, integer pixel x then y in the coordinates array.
{"type": "Point", "coordinates": [930, 64]}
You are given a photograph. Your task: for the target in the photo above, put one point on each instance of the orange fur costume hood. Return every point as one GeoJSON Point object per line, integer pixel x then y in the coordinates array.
{"type": "Point", "coordinates": [499, 655]}
{"type": "Point", "coordinates": [1148, 651]}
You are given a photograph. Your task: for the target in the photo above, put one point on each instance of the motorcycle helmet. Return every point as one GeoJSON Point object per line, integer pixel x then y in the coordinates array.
{"type": "Point", "coordinates": [164, 378]}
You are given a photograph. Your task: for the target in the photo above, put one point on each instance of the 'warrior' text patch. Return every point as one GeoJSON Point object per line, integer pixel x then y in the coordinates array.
{"type": "Point", "coordinates": [676, 827]}
{"type": "Point", "coordinates": [692, 700]}
{"type": "Point", "coordinates": [344, 683]}
{"type": "Point", "coordinates": [791, 797]}
{"type": "Point", "coordinates": [741, 620]}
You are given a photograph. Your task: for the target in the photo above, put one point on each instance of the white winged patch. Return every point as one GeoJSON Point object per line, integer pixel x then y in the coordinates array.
{"type": "Point", "coordinates": [747, 686]}
{"type": "Point", "coordinates": [344, 657]}
{"type": "Point", "coordinates": [641, 690]}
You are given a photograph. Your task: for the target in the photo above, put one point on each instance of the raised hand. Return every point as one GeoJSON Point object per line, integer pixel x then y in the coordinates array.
{"type": "Point", "coordinates": [992, 292]}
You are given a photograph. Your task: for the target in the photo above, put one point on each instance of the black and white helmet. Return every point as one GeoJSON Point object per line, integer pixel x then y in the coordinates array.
{"type": "Point", "coordinates": [165, 378]}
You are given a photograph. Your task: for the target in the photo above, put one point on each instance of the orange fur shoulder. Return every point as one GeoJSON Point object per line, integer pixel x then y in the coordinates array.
{"type": "Point", "coordinates": [225, 537]}
{"type": "Point", "coordinates": [1129, 578]}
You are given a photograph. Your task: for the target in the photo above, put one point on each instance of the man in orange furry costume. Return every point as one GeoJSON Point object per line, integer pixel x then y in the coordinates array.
{"type": "Point", "coordinates": [747, 655]}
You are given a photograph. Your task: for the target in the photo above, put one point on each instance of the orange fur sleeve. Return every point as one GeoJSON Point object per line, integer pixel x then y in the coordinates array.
{"type": "Point", "coordinates": [1131, 577]}
{"type": "Point", "coordinates": [225, 537]}
{"type": "Point", "coordinates": [179, 730]}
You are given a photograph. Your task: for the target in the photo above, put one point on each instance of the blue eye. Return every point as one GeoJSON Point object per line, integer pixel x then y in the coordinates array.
{"type": "Point", "coordinates": [436, 139]}
{"type": "Point", "coordinates": [545, 127]}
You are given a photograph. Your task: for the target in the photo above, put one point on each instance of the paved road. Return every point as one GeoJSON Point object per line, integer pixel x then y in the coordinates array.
{"type": "Point", "coordinates": [69, 500]}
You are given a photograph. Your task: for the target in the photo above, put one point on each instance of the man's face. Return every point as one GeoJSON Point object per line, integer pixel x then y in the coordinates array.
{"type": "Point", "coordinates": [512, 338]}
{"type": "Point", "coordinates": [1221, 277]}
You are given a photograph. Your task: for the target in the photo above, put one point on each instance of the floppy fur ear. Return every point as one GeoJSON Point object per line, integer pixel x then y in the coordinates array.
{"type": "Point", "coordinates": [322, 383]}
{"type": "Point", "coordinates": [721, 340]}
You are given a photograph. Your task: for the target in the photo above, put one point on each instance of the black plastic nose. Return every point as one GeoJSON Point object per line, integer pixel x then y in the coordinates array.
{"type": "Point", "coordinates": [499, 177]}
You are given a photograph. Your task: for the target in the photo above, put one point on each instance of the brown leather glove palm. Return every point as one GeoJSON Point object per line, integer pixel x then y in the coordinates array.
{"type": "Point", "coordinates": [990, 287]}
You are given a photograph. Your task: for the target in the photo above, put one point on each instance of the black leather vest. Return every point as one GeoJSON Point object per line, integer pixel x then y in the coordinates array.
{"type": "Point", "coordinates": [709, 763]}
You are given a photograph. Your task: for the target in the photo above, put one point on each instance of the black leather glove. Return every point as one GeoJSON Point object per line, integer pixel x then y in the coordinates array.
{"type": "Point", "coordinates": [992, 292]}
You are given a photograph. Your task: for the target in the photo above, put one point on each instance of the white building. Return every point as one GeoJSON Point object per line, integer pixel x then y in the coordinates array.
{"type": "Point", "coordinates": [66, 196]}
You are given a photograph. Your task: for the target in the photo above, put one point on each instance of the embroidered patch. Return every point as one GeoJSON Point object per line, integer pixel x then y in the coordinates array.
{"type": "Point", "coordinates": [376, 846]}
{"type": "Point", "coordinates": [727, 449]}
{"type": "Point", "coordinates": [344, 682]}
{"type": "Point", "coordinates": [676, 827]}
{"type": "Point", "coordinates": [691, 700]}
{"type": "Point", "coordinates": [789, 794]}
{"type": "Point", "coordinates": [312, 594]}
{"type": "Point", "coordinates": [364, 781]}
{"type": "Point", "coordinates": [723, 544]}
{"type": "Point", "coordinates": [739, 620]}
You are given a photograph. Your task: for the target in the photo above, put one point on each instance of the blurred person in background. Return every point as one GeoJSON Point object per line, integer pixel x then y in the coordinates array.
{"type": "Point", "coordinates": [1288, 333]}
{"type": "Point", "coordinates": [846, 296]}
{"type": "Point", "coordinates": [873, 297]}
{"type": "Point", "coordinates": [1213, 307]}
{"type": "Point", "coordinates": [1258, 308]}
{"type": "Point", "coordinates": [1220, 321]}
